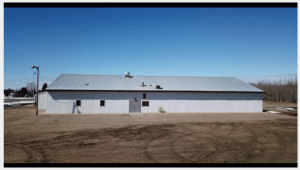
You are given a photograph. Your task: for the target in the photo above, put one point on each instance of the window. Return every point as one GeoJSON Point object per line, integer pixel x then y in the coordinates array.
{"type": "Point", "coordinates": [144, 95]}
{"type": "Point", "coordinates": [145, 103]}
{"type": "Point", "coordinates": [102, 102]}
{"type": "Point", "coordinates": [78, 102]}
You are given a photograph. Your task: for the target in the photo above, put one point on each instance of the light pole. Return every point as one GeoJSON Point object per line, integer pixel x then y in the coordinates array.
{"type": "Point", "coordinates": [37, 93]}
{"type": "Point", "coordinates": [33, 87]}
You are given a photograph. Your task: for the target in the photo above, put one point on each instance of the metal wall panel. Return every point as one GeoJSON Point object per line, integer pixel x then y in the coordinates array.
{"type": "Point", "coordinates": [43, 100]}
{"type": "Point", "coordinates": [190, 106]}
{"type": "Point", "coordinates": [118, 102]}
{"type": "Point", "coordinates": [65, 102]}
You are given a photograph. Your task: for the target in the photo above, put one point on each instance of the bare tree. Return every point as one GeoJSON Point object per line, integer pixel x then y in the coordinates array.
{"type": "Point", "coordinates": [284, 90]}
{"type": "Point", "coordinates": [31, 87]}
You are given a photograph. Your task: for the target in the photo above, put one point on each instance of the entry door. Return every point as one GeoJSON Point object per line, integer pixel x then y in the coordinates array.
{"type": "Point", "coordinates": [135, 106]}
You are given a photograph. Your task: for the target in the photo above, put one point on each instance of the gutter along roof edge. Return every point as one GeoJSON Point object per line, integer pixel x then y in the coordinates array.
{"type": "Point", "coordinates": [153, 90]}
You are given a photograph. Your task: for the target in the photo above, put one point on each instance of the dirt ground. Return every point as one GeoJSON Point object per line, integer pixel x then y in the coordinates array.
{"type": "Point", "coordinates": [149, 138]}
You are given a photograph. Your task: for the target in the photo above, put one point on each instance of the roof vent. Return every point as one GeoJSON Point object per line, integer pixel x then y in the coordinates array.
{"type": "Point", "coordinates": [158, 87]}
{"type": "Point", "coordinates": [127, 74]}
{"type": "Point", "coordinates": [143, 83]}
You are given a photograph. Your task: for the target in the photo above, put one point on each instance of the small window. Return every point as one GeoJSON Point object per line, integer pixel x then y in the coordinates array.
{"type": "Point", "coordinates": [145, 103]}
{"type": "Point", "coordinates": [144, 95]}
{"type": "Point", "coordinates": [102, 102]}
{"type": "Point", "coordinates": [78, 102]}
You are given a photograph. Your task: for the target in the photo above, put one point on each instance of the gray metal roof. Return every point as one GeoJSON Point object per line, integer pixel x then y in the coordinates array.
{"type": "Point", "coordinates": [167, 83]}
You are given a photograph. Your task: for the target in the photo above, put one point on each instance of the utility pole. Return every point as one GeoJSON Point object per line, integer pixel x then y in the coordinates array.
{"type": "Point", "coordinates": [37, 94]}
{"type": "Point", "coordinates": [33, 87]}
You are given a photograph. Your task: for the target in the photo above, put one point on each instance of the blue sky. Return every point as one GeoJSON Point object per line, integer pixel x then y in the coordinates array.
{"type": "Point", "coordinates": [214, 42]}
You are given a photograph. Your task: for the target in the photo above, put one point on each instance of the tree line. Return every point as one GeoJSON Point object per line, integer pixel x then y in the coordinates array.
{"type": "Point", "coordinates": [29, 90]}
{"type": "Point", "coordinates": [283, 90]}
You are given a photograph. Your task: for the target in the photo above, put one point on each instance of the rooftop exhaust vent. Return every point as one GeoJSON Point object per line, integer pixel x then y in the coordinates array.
{"type": "Point", "coordinates": [127, 74]}
{"type": "Point", "coordinates": [158, 87]}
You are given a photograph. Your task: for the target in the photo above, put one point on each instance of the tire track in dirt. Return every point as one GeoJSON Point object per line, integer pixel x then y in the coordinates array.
{"type": "Point", "coordinates": [274, 143]}
{"type": "Point", "coordinates": [252, 152]}
{"type": "Point", "coordinates": [172, 146]}
{"type": "Point", "coordinates": [230, 152]}
{"type": "Point", "coordinates": [147, 153]}
{"type": "Point", "coordinates": [203, 149]}
{"type": "Point", "coordinates": [33, 155]}
{"type": "Point", "coordinates": [243, 151]}
{"type": "Point", "coordinates": [179, 154]}
{"type": "Point", "coordinates": [208, 153]}
{"type": "Point", "coordinates": [219, 142]}
{"type": "Point", "coordinates": [216, 143]}
{"type": "Point", "coordinates": [269, 146]}
{"type": "Point", "coordinates": [283, 145]}
{"type": "Point", "coordinates": [274, 146]}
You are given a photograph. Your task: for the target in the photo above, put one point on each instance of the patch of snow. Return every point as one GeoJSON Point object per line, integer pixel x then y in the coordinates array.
{"type": "Point", "coordinates": [273, 112]}
{"type": "Point", "coordinates": [20, 102]}
{"type": "Point", "coordinates": [289, 108]}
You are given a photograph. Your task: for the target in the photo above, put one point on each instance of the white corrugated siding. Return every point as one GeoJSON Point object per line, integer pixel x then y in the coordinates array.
{"type": "Point", "coordinates": [43, 100]}
{"type": "Point", "coordinates": [65, 102]}
{"type": "Point", "coordinates": [118, 102]}
{"type": "Point", "coordinates": [203, 106]}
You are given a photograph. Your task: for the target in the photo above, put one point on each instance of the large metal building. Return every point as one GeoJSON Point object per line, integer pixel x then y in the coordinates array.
{"type": "Point", "coordinates": [79, 93]}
